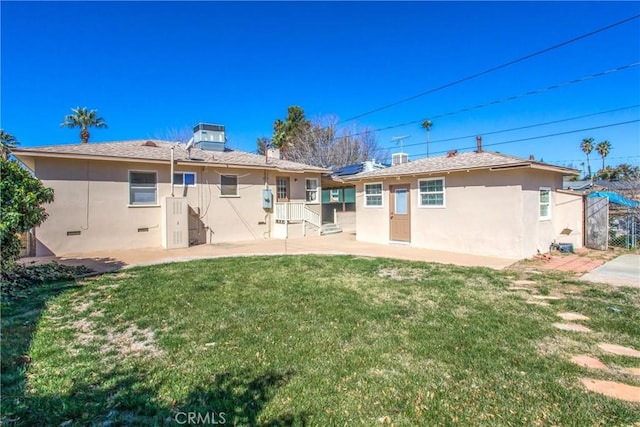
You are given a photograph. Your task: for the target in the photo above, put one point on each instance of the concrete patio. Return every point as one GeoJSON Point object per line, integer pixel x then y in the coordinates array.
{"type": "Point", "coordinates": [335, 244]}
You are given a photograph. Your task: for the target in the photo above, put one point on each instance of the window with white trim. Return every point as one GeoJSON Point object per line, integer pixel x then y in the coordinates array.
{"type": "Point", "coordinates": [431, 192]}
{"type": "Point", "coordinates": [143, 188]}
{"type": "Point", "coordinates": [185, 179]}
{"type": "Point", "coordinates": [334, 195]}
{"type": "Point", "coordinates": [229, 185]}
{"type": "Point", "coordinates": [373, 195]}
{"type": "Point", "coordinates": [311, 188]}
{"type": "Point", "coordinates": [545, 203]}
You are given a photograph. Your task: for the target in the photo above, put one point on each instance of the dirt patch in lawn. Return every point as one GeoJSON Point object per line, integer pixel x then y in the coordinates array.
{"type": "Point", "coordinates": [402, 273]}
{"type": "Point", "coordinates": [132, 340]}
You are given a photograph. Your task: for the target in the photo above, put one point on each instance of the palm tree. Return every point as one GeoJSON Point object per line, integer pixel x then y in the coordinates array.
{"type": "Point", "coordinates": [427, 126]}
{"type": "Point", "coordinates": [603, 148]}
{"type": "Point", "coordinates": [7, 143]}
{"type": "Point", "coordinates": [587, 147]}
{"type": "Point", "coordinates": [83, 119]}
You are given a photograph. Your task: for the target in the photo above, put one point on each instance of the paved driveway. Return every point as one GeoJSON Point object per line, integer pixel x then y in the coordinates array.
{"type": "Point", "coordinates": [342, 243]}
{"type": "Point", "coordinates": [621, 271]}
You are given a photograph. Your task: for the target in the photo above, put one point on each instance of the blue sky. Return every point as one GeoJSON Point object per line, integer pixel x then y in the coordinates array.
{"type": "Point", "coordinates": [149, 67]}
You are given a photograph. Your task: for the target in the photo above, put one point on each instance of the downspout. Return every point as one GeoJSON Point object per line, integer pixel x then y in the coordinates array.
{"type": "Point", "coordinates": [268, 214]}
{"type": "Point", "coordinates": [172, 147]}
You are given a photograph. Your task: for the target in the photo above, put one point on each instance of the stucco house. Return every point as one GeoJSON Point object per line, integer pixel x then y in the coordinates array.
{"type": "Point", "coordinates": [149, 193]}
{"type": "Point", "coordinates": [475, 202]}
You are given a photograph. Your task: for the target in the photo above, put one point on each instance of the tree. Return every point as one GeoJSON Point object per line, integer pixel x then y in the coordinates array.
{"type": "Point", "coordinates": [622, 172]}
{"type": "Point", "coordinates": [326, 146]}
{"type": "Point", "coordinates": [263, 144]}
{"type": "Point", "coordinates": [22, 198]}
{"type": "Point", "coordinates": [426, 125]}
{"type": "Point", "coordinates": [603, 148]}
{"type": "Point", "coordinates": [83, 119]}
{"type": "Point", "coordinates": [8, 142]}
{"type": "Point", "coordinates": [294, 126]}
{"type": "Point", "coordinates": [587, 147]}
{"type": "Point", "coordinates": [183, 134]}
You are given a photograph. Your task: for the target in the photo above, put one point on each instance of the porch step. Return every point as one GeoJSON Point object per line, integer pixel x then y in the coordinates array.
{"type": "Point", "coordinates": [330, 229]}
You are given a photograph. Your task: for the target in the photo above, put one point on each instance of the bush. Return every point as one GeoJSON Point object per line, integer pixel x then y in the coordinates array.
{"type": "Point", "coordinates": [18, 280]}
{"type": "Point", "coordinates": [22, 196]}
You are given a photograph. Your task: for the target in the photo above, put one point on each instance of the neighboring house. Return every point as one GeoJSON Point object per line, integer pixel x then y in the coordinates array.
{"type": "Point", "coordinates": [118, 195]}
{"type": "Point", "coordinates": [479, 202]}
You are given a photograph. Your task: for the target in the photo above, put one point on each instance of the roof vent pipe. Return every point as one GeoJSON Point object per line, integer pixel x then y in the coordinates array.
{"type": "Point", "coordinates": [479, 142]}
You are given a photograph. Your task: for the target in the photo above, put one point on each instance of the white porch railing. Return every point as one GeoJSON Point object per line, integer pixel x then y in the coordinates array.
{"type": "Point", "coordinates": [287, 212]}
{"type": "Point", "coordinates": [312, 217]}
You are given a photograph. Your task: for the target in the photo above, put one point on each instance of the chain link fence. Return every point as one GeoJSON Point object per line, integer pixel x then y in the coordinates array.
{"type": "Point", "coordinates": [624, 228]}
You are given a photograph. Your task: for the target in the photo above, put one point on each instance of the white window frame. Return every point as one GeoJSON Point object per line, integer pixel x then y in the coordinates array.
{"type": "Point", "coordinates": [195, 179]}
{"type": "Point", "coordinates": [540, 204]}
{"type": "Point", "coordinates": [237, 185]}
{"type": "Point", "coordinates": [155, 202]}
{"type": "Point", "coordinates": [381, 195]}
{"type": "Point", "coordinates": [309, 192]}
{"type": "Point", "coordinates": [443, 192]}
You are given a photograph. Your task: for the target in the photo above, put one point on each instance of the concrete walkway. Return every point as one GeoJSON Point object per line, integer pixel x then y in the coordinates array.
{"type": "Point", "coordinates": [334, 244]}
{"type": "Point", "coordinates": [622, 271]}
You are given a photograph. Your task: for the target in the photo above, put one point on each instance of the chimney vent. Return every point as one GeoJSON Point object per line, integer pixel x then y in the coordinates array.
{"type": "Point", "coordinates": [479, 142]}
{"type": "Point", "coordinates": [531, 157]}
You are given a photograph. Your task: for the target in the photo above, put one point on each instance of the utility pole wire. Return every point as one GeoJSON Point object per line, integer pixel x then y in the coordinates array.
{"type": "Point", "coordinates": [513, 97]}
{"type": "Point", "coordinates": [535, 137]}
{"type": "Point", "coordinates": [490, 70]}
{"type": "Point", "coordinates": [527, 126]}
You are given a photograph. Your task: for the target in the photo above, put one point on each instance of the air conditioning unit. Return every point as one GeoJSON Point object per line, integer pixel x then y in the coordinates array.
{"type": "Point", "coordinates": [209, 137]}
{"type": "Point", "coordinates": [399, 158]}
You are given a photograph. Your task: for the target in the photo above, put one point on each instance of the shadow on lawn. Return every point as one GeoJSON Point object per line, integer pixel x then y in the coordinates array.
{"type": "Point", "coordinates": [20, 317]}
{"type": "Point", "coordinates": [124, 399]}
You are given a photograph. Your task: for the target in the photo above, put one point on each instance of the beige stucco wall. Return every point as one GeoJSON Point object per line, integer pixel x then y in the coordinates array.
{"type": "Point", "coordinates": [489, 213]}
{"type": "Point", "coordinates": [570, 216]}
{"type": "Point", "coordinates": [92, 197]}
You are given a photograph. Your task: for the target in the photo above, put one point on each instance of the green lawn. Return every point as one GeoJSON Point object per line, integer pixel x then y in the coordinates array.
{"type": "Point", "coordinates": [312, 340]}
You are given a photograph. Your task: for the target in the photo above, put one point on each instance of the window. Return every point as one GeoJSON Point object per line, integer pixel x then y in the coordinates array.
{"type": "Point", "coordinates": [311, 187]}
{"type": "Point", "coordinates": [431, 192]}
{"type": "Point", "coordinates": [143, 188]}
{"type": "Point", "coordinates": [373, 195]}
{"type": "Point", "coordinates": [334, 195]}
{"type": "Point", "coordinates": [545, 203]}
{"type": "Point", "coordinates": [229, 185]}
{"type": "Point", "coordinates": [186, 179]}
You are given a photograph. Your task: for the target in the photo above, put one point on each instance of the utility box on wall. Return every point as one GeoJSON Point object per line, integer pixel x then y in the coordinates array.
{"type": "Point", "coordinates": [267, 199]}
{"type": "Point", "coordinates": [175, 223]}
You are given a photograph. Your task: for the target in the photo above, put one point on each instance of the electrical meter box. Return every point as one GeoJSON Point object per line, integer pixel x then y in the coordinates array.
{"type": "Point", "coordinates": [267, 199]}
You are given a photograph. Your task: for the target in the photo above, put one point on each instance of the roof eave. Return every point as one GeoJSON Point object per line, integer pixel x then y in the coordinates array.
{"type": "Point", "coordinates": [34, 154]}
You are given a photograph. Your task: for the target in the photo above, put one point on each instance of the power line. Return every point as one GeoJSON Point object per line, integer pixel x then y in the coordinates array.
{"type": "Point", "coordinates": [525, 127]}
{"type": "Point", "coordinates": [535, 137]}
{"type": "Point", "coordinates": [509, 98]}
{"type": "Point", "coordinates": [490, 70]}
{"type": "Point", "coordinates": [580, 160]}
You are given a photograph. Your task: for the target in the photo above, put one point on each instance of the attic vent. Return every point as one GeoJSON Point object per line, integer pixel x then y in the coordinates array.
{"type": "Point", "coordinates": [149, 144]}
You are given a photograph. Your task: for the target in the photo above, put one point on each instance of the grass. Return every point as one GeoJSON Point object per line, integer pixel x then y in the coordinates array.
{"type": "Point", "coordinates": [312, 340]}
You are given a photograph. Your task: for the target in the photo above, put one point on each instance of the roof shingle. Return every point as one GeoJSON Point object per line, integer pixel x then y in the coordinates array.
{"type": "Point", "coordinates": [141, 150]}
{"type": "Point", "coordinates": [462, 161]}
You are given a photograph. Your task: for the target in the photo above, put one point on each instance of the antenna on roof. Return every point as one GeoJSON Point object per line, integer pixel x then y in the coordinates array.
{"type": "Point", "coordinates": [399, 139]}
{"type": "Point", "coordinates": [188, 148]}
